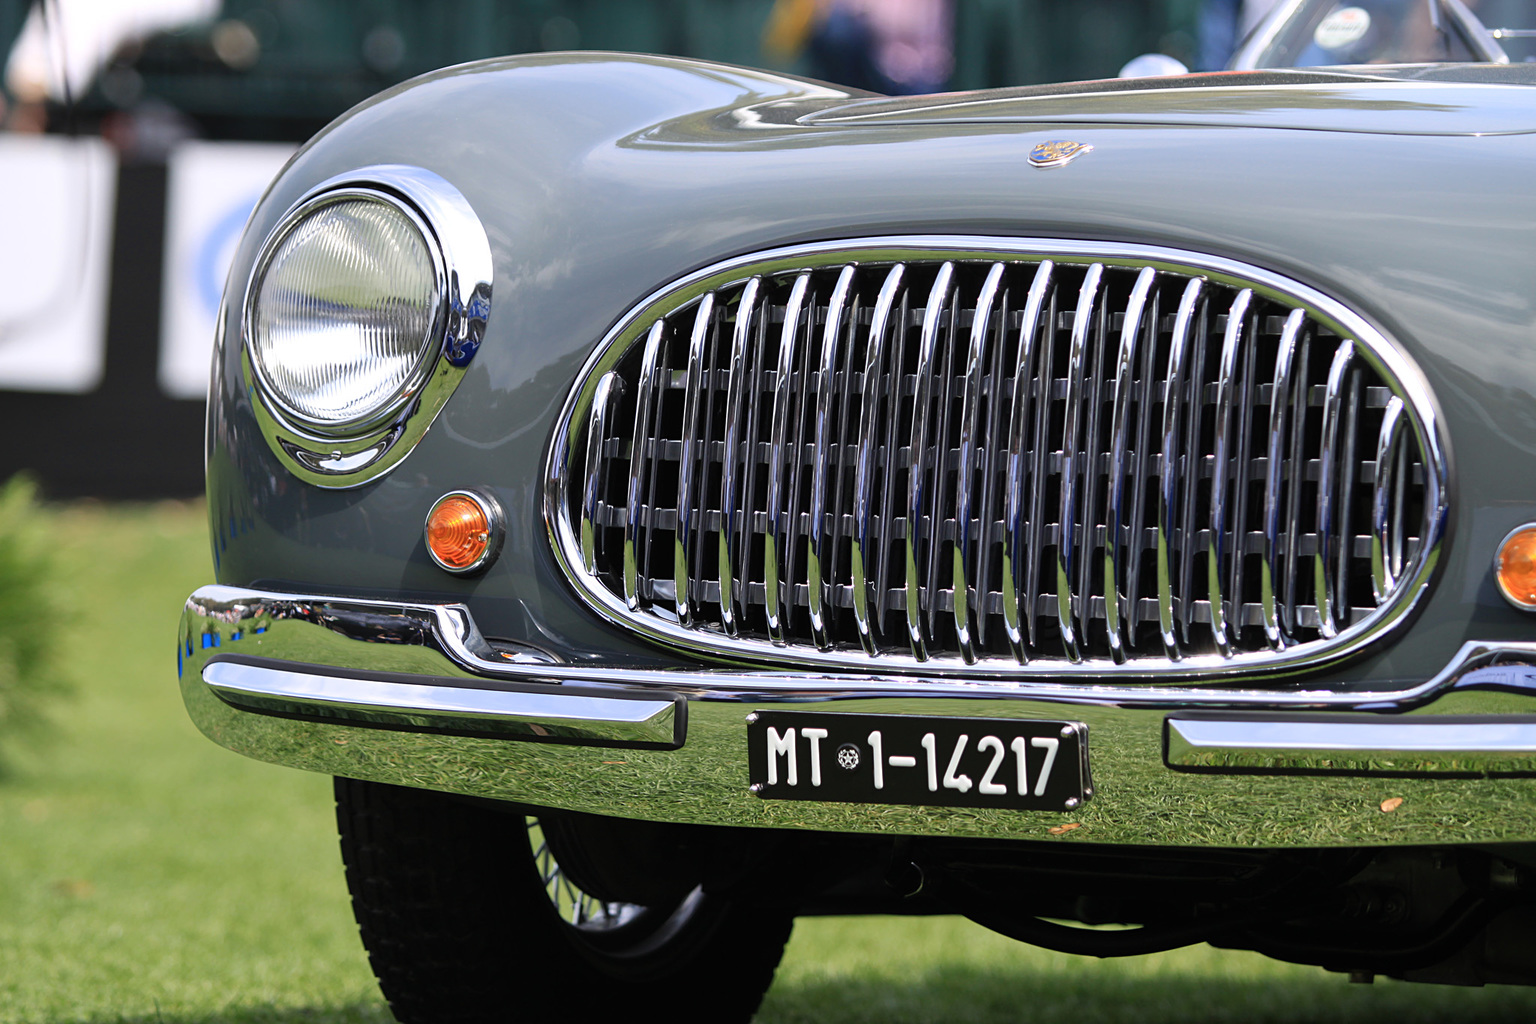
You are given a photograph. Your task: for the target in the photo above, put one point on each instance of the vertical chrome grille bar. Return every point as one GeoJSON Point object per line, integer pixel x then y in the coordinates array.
{"type": "Point", "coordinates": [966, 569]}
{"type": "Point", "coordinates": [1248, 387]}
{"type": "Point", "coordinates": [1386, 542]}
{"type": "Point", "coordinates": [890, 498]}
{"type": "Point", "coordinates": [1398, 512]}
{"type": "Point", "coordinates": [1168, 479]}
{"type": "Point", "coordinates": [1043, 385]}
{"type": "Point", "coordinates": [776, 536]}
{"type": "Point", "coordinates": [638, 461]}
{"type": "Point", "coordinates": [1018, 585]}
{"type": "Point", "coordinates": [866, 453]}
{"type": "Point", "coordinates": [682, 537]}
{"type": "Point", "coordinates": [1068, 542]}
{"type": "Point", "coordinates": [1279, 403]}
{"type": "Point", "coordinates": [1227, 384]}
{"type": "Point", "coordinates": [922, 413]}
{"type": "Point", "coordinates": [1141, 464]}
{"type": "Point", "coordinates": [609, 386]}
{"type": "Point", "coordinates": [939, 493]}
{"type": "Point", "coordinates": [817, 544]}
{"type": "Point", "coordinates": [1349, 475]}
{"type": "Point", "coordinates": [1190, 471]}
{"type": "Point", "coordinates": [1322, 576]}
{"type": "Point", "coordinates": [991, 513]}
{"type": "Point", "coordinates": [737, 384]}
{"type": "Point", "coordinates": [1087, 538]}
{"type": "Point", "coordinates": [746, 527]}
{"type": "Point", "coordinates": [1119, 444]}
{"type": "Point", "coordinates": [1296, 471]}
{"type": "Point", "coordinates": [840, 505]}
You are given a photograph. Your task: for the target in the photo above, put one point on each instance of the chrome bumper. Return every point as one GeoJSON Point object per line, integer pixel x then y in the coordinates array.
{"type": "Point", "coordinates": [413, 694]}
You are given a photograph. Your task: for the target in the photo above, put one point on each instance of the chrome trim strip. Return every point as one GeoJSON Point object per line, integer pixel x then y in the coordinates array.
{"type": "Point", "coordinates": [863, 484]}
{"type": "Point", "coordinates": [730, 529]}
{"type": "Point", "coordinates": [639, 462]}
{"type": "Point", "coordinates": [1330, 743]}
{"type": "Point", "coordinates": [1168, 479]}
{"type": "Point", "coordinates": [339, 456]}
{"type": "Point", "coordinates": [1224, 607]}
{"type": "Point", "coordinates": [452, 641]}
{"type": "Point", "coordinates": [610, 386]}
{"type": "Point", "coordinates": [776, 536]}
{"type": "Point", "coordinates": [1020, 547]}
{"type": "Point", "coordinates": [938, 299]}
{"type": "Point", "coordinates": [966, 583]}
{"type": "Point", "coordinates": [1119, 442]}
{"type": "Point", "coordinates": [1386, 542]}
{"type": "Point", "coordinates": [1322, 578]}
{"type": "Point", "coordinates": [818, 550]}
{"type": "Point", "coordinates": [1072, 458]}
{"type": "Point", "coordinates": [1385, 359]}
{"type": "Point", "coordinates": [1279, 401]}
{"type": "Point", "coordinates": [682, 536]}
{"type": "Point", "coordinates": [558, 717]}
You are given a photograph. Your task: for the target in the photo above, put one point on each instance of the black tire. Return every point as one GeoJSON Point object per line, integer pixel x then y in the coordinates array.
{"type": "Point", "coordinates": [459, 927]}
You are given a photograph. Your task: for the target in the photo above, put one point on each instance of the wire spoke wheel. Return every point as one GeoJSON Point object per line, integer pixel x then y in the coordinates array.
{"type": "Point", "coordinates": [580, 910]}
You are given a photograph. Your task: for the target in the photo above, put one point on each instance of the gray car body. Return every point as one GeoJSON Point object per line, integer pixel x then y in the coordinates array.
{"type": "Point", "coordinates": [1403, 193]}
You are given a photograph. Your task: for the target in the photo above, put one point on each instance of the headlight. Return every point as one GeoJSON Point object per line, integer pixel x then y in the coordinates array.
{"type": "Point", "coordinates": [364, 306]}
{"type": "Point", "coordinates": [342, 309]}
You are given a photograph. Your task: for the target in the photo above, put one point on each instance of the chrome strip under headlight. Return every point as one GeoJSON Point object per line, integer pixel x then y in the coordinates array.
{"type": "Point", "coordinates": [440, 265]}
{"type": "Point", "coordinates": [988, 456]}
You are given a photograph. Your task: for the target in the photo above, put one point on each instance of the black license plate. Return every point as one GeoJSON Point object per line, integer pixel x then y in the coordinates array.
{"type": "Point", "coordinates": [896, 759]}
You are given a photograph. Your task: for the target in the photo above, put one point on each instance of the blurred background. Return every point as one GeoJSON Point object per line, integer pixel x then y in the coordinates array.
{"type": "Point", "coordinates": [138, 134]}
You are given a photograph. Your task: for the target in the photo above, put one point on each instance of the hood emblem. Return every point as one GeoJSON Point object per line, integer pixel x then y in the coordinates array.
{"type": "Point", "coordinates": [1056, 152]}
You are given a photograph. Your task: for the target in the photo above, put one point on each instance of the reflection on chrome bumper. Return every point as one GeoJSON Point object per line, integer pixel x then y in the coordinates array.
{"type": "Point", "coordinates": [439, 707]}
{"type": "Point", "coordinates": [1414, 745]}
{"type": "Point", "coordinates": [411, 693]}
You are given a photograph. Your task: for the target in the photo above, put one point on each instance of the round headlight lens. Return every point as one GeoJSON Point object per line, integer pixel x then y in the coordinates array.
{"type": "Point", "coordinates": [343, 311]}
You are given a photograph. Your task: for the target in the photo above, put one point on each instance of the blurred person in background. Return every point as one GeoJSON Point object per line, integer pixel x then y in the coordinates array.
{"type": "Point", "coordinates": [898, 47]}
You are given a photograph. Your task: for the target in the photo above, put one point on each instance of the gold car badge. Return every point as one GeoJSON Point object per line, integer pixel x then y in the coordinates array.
{"type": "Point", "coordinates": [1056, 152]}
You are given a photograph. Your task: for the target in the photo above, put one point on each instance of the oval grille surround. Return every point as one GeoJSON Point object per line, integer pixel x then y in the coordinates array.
{"type": "Point", "coordinates": [1032, 380]}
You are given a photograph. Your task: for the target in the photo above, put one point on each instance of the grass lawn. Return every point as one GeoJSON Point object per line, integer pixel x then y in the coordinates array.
{"type": "Point", "coordinates": [147, 875]}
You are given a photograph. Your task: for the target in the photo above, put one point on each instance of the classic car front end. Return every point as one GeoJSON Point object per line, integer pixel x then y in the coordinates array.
{"type": "Point", "coordinates": [1082, 503]}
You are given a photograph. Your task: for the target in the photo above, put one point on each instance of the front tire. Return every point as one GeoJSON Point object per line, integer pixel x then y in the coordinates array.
{"type": "Point", "coordinates": [464, 923]}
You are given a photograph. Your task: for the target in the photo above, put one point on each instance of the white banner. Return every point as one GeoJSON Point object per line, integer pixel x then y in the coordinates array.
{"type": "Point", "coordinates": [210, 192]}
{"type": "Point", "coordinates": [56, 204]}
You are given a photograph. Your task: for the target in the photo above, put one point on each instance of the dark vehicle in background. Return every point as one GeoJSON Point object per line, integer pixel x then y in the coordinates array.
{"type": "Point", "coordinates": [672, 498]}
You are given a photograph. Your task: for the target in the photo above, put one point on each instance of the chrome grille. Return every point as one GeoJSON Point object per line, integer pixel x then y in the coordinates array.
{"type": "Point", "coordinates": [989, 459]}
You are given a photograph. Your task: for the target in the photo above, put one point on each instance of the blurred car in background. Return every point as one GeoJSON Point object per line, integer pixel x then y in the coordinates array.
{"type": "Point", "coordinates": [672, 498]}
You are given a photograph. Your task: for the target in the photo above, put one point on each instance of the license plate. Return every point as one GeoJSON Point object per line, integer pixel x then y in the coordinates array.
{"type": "Point", "coordinates": [896, 759]}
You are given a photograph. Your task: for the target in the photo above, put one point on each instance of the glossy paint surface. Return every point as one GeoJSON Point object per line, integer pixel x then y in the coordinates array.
{"type": "Point", "coordinates": [600, 178]}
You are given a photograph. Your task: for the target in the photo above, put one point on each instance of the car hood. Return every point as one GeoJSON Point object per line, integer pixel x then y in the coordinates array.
{"type": "Point", "coordinates": [1457, 99]}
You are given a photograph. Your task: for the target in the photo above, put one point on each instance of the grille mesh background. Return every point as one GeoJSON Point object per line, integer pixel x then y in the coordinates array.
{"type": "Point", "coordinates": [1234, 474]}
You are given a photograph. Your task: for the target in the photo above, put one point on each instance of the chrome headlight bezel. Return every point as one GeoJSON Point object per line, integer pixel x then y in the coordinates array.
{"type": "Point", "coordinates": [352, 452]}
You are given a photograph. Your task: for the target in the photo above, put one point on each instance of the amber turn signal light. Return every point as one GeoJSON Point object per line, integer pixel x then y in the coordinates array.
{"type": "Point", "coordinates": [464, 531]}
{"type": "Point", "coordinates": [1515, 567]}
